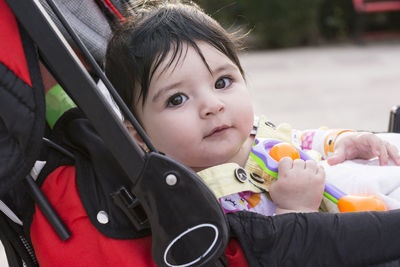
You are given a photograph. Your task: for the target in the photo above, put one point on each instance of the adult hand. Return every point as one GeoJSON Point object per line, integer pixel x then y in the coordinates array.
{"type": "Point", "coordinates": [363, 145]}
{"type": "Point", "coordinates": [299, 187]}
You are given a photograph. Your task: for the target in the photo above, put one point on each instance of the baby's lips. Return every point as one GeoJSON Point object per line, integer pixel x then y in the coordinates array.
{"type": "Point", "coordinates": [216, 130]}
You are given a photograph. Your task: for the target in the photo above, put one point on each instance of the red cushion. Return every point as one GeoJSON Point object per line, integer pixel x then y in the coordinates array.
{"type": "Point", "coordinates": [12, 54]}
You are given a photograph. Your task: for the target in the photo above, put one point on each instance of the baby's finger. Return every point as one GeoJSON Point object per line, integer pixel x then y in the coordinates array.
{"type": "Point", "coordinates": [299, 164]}
{"type": "Point", "coordinates": [393, 153]}
{"type": "Point", "coordinates": [338, 157]}
{"type": "Point", "coordinates": [321, 171]}
{"type": "Point", "coordinates": [285, 164]}
{"type": "Point", "coordinates": [375, 144]}
{"type": "Point", "coordinates": [311, 165]}
{"type": "Point", "coordinates": [383, 154]}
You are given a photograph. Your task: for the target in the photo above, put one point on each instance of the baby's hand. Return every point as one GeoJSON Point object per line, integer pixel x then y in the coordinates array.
{"type": "Point", "coordinates": [299, 187]}
{"type": "Point", "coordinates": [363, 145]}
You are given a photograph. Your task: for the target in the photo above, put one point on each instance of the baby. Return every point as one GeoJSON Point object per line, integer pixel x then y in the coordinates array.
{"type": "Point", "coordinates": [179, 72]}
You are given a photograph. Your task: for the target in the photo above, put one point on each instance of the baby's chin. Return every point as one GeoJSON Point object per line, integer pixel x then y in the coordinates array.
{"type": "Point", "coordinates": [206, 163]}
{"type": "Point", "coordinates": [201, 159]}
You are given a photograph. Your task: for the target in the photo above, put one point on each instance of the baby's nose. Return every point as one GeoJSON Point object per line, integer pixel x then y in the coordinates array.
{"type": "Point", "coordinates": [212, 106]}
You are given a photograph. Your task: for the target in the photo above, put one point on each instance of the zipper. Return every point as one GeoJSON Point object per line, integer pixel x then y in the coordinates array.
{"type": "Point", "coordinates": [29, 249]}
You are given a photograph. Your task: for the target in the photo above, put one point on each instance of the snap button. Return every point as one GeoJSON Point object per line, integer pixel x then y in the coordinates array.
{"type": "Point", "coordinates": [102, 217]}
{"type": "Point", "coordinates": [257, 178]}
{"type": "Point", "coordinates": [171, 179]}
{"type": "Point", "coordinates": [241, 175]}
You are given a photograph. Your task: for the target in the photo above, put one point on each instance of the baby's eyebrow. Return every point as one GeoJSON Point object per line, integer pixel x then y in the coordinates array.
{"type": "Point", "coordinates": [164, 90]}
{"type": "Point", "coordinates": [225, 67]}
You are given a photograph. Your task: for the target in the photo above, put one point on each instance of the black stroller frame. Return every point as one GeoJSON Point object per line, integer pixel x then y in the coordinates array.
{"type": "Point", "coordinates": [150, 173]}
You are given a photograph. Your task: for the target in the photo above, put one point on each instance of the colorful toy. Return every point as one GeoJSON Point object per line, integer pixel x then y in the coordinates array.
{"type": "Point", "coordinates": [268, 152]}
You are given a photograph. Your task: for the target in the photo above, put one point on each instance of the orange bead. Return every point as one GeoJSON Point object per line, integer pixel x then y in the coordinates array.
{"type": "Point", "coordinates": [352, 203]}
{"type": "Point", "coordinates": [282, 150]}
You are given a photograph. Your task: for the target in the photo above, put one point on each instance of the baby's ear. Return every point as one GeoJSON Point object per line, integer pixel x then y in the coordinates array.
{"type": "Point", "coordinates": [135, 135]}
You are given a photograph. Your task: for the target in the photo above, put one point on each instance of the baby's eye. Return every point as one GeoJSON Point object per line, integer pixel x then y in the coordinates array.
{"type": "Point", "coordinates": [222, 83]}
{"type": "Point", "coordinates": [176, 100]}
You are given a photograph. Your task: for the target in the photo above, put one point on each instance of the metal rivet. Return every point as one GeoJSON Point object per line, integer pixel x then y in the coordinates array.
{"type": "Point", "coordinates": [102, 217]}
{"type": "Point", "coordinates": [171, 179]}
{"type": "Point", "coordinates": [257, 178]}
{"type": "Point", "coordinates": [241, 175]}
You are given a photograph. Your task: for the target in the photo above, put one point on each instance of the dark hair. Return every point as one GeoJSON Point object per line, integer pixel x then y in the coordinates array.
{"type": "Point", "coordinates": [142, 43]}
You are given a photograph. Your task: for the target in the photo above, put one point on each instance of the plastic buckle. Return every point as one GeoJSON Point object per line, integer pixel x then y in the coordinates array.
{"type": "Point", "coordinates": [130, 205]}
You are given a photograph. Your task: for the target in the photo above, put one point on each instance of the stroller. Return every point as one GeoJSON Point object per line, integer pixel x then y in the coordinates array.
{"type": "Point", "coordinates": [212, 224]}
{"type": "Point", "coordinates": [131, 198]}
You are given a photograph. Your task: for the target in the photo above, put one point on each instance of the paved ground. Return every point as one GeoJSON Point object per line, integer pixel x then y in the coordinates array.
{"type": "Point", "coordinates": [342, 86]}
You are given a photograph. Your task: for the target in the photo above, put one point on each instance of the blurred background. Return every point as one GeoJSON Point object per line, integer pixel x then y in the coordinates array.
{"type": "Point", "coordinates": [315, 63]}
{"type": "Point", "coordinates": [289, 23]}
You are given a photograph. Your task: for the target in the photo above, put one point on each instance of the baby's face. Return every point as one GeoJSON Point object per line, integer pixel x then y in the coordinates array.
{"type": "Point", "coordinates": [196, 117]}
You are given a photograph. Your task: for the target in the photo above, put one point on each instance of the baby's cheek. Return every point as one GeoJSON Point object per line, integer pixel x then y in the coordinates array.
{"type": "Point", "coordinates": [244, 106]}
{"type": "Point", "coordinates": [246, 121]}
{"type": "Point", "coordinates": [180, 146]}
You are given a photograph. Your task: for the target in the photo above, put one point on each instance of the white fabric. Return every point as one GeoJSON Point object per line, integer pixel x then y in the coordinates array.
{"type": "Point", "coordinates": [367, 177]}
{"type": "Point", "coordinates": [37, 168]}
{"type": "Point", "coordinates": [9, 213]}
{"type": "Point", "coordinates": [110, 99]}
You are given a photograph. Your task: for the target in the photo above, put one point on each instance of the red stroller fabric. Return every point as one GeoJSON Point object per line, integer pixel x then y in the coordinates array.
{"type": "Point", "coordinates": [12, 53]}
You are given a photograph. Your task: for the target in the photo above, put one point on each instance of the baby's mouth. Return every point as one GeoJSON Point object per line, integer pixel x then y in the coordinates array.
{"type": "Point", "coordinates": [217, 131]}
